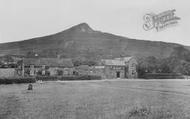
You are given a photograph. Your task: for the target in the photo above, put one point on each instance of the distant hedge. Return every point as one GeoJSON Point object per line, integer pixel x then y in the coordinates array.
{"type": "Point", "coordinates": [83, 77]}
{"type": "Point", "coordinates": [162, 76]}
{"type": "Point", "coordinates": [69, 78]}
{"type": "Point", "coordinates": [46, 78]}
{"type": "Point", "coordinates": [17, 80]}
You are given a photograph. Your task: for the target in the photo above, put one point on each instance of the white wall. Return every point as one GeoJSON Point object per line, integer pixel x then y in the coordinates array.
{"type": "Point", "coordinates": [7, 72]}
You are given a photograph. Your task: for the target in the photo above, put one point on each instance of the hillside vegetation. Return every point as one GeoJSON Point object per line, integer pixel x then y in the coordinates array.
{"type": "Point", "coordinates": [81, 41]}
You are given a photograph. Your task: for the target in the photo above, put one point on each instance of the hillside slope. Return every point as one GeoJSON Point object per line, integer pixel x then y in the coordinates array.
{"type": "Point", "coordinates": [83, 41]}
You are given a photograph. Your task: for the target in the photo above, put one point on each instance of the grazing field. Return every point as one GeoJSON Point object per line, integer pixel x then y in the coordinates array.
{"type": "Point", "coordinates": [118, 99]}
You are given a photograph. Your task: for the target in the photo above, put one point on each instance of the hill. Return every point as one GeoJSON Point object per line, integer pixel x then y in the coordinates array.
{"type": "Point", "coordinates": [82, 41]}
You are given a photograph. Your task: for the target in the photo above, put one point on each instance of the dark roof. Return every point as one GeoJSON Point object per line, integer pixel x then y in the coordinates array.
{"type": "Point", "coordinates": [54, 62]}
{"type": "Point", "coordinates": [117, 61]}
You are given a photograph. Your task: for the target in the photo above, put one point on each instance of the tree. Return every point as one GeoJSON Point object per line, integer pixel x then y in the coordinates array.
{"type": "Point", "coordinates": [181, 53]}
{"type": "Point", "coordinates": [164, 66]}
{"type": "Point", "coordinates": [84, 61]}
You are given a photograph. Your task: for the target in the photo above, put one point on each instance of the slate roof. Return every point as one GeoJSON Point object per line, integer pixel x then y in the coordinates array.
{"type": "Point", "coordinates": [113, 62]}
{"type": "Point", "coordinates": [52, 62]}
{"type": "Point", "coordinates": [117, 61]}
{"type": "Point", "coordinates": [126, 59]}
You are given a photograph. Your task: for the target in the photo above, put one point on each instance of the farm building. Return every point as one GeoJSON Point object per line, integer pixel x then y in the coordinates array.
{"type": "Point", "coordinates": [47, 66]}
{"type": "Point", "coordinates": [8, 72]}
{"type": "Point", "coordinates": [82, 70]}
{"type": "Point", "coordinates": [90, 70]}
{"type": "Point", "coordinates": [120, 67]}
{"type": "Point", "coordinates": [111, 68]}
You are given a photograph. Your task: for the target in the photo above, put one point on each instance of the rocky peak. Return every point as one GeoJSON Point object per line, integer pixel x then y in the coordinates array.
{"type": "Point", "coordinates": [83, 27]}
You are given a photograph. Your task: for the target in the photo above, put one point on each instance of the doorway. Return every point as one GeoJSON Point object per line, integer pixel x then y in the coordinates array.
{"type": "Point", "coordinates": [117, 74]}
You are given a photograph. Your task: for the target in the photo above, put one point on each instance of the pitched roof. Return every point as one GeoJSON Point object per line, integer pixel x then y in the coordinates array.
{"type": "Point", "coordinates": [126, 59]}
{"type": "Point", "coordinates": [117, 61]}
{"type": "Point", "coordinates": [113, 62]}
{"type": "Point", "coordinates": [48, 62]}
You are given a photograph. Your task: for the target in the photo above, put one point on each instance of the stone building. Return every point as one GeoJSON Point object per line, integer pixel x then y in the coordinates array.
{"type": "Point", "coordinates": [124, 67]}
{"type": "Point", "coordinates": [8, 72]}
{"type": "Point", "coordinates": [47, 66]}
{"type": "Point", "coordinates": [98, 71]}
{"type": "Point", "coordinates": [90, 70]}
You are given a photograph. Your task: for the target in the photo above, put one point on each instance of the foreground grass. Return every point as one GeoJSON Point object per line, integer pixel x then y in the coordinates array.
{"type": "Point", "coordinates": [97, 100]}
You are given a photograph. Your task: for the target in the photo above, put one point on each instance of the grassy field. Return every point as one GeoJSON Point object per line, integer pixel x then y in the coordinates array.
{"type": "Point", "coordinates": [121, 99]}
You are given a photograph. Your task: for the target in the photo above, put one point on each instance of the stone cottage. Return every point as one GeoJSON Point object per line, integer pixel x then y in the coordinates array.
{"type": "Point", "coordinates": [47, 66]}
{"type": "Point", "coordinates": [124, 67]}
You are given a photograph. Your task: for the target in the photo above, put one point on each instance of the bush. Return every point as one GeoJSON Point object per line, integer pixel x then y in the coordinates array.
{"type": "Point", "coordinates": [68, 78]}
{"type": "Point", "coordinates": [162, 76]}
{"type": "Point", "coordinates": [46, 78]}
{"type": "Point", "coordinates": [17, 80]}
{"type": "Point", "coordinates": [83, 77]}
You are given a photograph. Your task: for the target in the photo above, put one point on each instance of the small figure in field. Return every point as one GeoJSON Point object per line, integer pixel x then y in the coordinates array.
{"type": "Point", "coordinates": [30, 87]}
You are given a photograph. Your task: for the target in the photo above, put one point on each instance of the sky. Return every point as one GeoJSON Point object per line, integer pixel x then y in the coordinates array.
{"type": "Point", "coordinates": [25, 19]}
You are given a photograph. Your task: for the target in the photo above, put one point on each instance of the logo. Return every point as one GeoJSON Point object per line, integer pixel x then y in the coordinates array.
{"type": "Point", "coordinates": [160, 21]}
